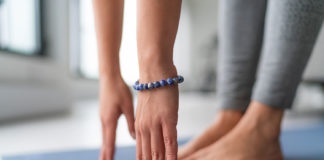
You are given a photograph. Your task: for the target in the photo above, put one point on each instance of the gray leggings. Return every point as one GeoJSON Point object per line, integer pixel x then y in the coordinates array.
{"type": "Point", "coordinates": [281, 33]}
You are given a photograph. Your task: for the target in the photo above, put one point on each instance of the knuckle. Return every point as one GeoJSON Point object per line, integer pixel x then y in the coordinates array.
{"type": "Point", "coordinates": [139, 125]}
{"type": "Point", "coordinates": [170, 154]}
{"type": "Point", "coordinates": [156, 155]}
{"type": "Point", "coordinates": [170, 142]}
{"type": "Point", "coordinates": [171, 148]}
{"type": "Point", "coordinates": [143, 126]}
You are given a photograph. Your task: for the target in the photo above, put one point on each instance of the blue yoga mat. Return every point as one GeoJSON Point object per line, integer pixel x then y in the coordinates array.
{"type": "Point", "coordinates": [301, 144]}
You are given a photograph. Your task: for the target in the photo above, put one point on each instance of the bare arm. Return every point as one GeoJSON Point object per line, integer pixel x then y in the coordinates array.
{"type": "Point", "coordinates": [157, 110]}
{"type": "Point", "coordinates": [115, 97]}
{"type": "Point", "coordinates": [108, 21]}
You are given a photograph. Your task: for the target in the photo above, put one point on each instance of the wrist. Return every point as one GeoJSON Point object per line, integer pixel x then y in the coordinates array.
{"type": "Point", "coordinates": [157, 72]}
{"type": "Point", "coordinates": [110, 79]}
{"type": "Point", "coordinates": [152, 68]}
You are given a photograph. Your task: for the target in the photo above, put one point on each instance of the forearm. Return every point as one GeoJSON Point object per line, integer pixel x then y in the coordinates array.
{"type": "Point", "coordinates": [108, 23]}
{"type": "Point", "coordinates": [156, 31]}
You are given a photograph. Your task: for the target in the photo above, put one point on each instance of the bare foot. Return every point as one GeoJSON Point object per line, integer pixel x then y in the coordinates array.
{"type": "Point", "coordinates": [225, 121]}
{"type": "Point", "coordinates": [255, 137]}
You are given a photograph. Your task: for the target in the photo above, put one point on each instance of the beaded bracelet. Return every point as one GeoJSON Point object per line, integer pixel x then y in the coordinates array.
{"type": "Point", "coordinates": [157, 84]}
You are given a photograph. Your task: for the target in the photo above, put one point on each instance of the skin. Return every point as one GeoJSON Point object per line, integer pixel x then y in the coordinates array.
{"type": "Point", "coordinates": [115, 96]}
{"type": "Point", "coordinates": [157, 110]}
{"type": "Point", "coordinates": [156, 115]}
{"type": "Point", "coordinates": [225, 121]}
{"type": "Point", "coordinates": [259, 126]}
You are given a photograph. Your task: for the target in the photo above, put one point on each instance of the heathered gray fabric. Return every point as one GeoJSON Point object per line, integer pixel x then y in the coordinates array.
{"type": "Point", "coordinates": [291, 29]}
{"type": "Point", "coordinates": [240, 37]}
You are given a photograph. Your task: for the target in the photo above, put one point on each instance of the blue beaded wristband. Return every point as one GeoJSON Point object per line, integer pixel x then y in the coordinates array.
{"type": "Point", "coordinates": [157, 84]}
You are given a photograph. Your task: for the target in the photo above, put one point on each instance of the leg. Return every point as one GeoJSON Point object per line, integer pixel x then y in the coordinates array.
{"type": "Point", "coordinates": [240, 36]}
{"type": "Point", "coordinates": [291, 30]}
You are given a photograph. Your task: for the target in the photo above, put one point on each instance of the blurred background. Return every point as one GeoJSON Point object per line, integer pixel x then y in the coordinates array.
{"type": "Point", "coordinates": [49, 74]}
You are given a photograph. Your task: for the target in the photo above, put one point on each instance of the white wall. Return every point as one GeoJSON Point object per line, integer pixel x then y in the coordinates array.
{"type": "Point", "coordinates": [203, 48]}
{"type": "Point", "coordinates": [43, 84]}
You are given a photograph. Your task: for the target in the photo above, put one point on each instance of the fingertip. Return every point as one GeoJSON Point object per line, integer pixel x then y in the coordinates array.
{"type": "Point", "coordinates": [131, 129]}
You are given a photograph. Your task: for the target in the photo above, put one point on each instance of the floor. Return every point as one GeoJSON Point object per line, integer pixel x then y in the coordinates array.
{"type": "Point", "coordinates": [79, 128]}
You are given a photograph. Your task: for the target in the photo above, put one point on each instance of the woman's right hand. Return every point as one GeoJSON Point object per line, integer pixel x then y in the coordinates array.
{"type": "Point", "coordinates": [156, 121]}
{"type": "Point", "coordinates": [115, 99]}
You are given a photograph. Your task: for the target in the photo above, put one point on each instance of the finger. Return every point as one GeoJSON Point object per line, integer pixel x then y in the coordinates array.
{"type": "Point", "coordinates": [109, 136]}
{"type": "Point", "coordinates": [138, 135]}
{"type": "Point", "coordinates": [102, 154]}
{"type": "Point", "coordinates": [157, 145]}
{"type": "Point", "coordinates": [129, 114]}
{"type": "Point", "coordinates": [146, 146]}
{"type": "Point", "coordinates": [138, 145]}
{"type": "Point", "coordinates": [170, 141]}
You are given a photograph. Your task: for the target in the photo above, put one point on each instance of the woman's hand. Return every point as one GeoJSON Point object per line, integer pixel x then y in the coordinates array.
{"type": "Point", "coordinates": [156, 121]}
{"type": "Point", "coordinates": [115, 99]}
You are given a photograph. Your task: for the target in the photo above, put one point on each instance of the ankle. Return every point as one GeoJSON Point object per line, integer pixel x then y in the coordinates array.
{"type": "Point", "coordinates": [267, 120]}
{"type": "Point", "coordinates": [228, 117]}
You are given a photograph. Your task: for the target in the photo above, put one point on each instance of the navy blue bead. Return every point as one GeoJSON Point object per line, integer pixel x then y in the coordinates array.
{"type": "Point", "coordinates": [175, 80]}
{"type": "Point", "coordinates": [146, 86]}
{"type": "Point", "coordinates": [163, 83]}
{"type": "Point", "coordinates": [170, 81]}
{"type": "Point", "coordinates": [180, 79]}
{"type": "Point", "coordinates": [157, 84]}
{"type": "Point", "coordinates": [141, 86]}
{"type": "Point", "coordinates": [150, 85]}
{"type": "Point", "coordinates": [137, 82]}
{"type": "Point", "coordinates": [134, 86]}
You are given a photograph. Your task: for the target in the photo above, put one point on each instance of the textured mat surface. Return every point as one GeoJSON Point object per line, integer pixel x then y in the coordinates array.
{"type": "Point", "coordinates": [301, 144]}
